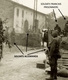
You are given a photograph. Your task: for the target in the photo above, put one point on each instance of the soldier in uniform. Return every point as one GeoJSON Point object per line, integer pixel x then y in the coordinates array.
{"type": "Point", "coordinates": [58, 29]}
{"type": "Point", "coordinates": [1, 38]}
{"type": "Point", "coordinates": [54, 54]}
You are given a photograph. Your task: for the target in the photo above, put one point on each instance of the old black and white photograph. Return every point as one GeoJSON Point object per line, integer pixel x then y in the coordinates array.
{"type": "Point", "coordinates": [33, 40]}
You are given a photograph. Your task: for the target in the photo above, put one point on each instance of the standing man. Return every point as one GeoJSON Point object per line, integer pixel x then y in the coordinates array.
{"type": "Point", "coordinates": [57, 27]}
{"type": "Point", "coordinates": [44, 36]}
{"type": "Point", "coordinates": [54, 54]}
{"type": "Point", "coordinates": [1, 38]}
{"type": "Point", "coordinates": [13, 37]}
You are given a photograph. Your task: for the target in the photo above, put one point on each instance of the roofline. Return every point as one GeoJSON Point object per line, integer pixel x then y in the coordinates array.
{"type": "Point", "coordinates": [26, 7]}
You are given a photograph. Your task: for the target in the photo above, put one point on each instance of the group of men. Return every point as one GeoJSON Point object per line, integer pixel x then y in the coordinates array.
{"type": "Point", "coordinates": [53, 52]}
{"type": "Point", "coordinates": [53, 49]}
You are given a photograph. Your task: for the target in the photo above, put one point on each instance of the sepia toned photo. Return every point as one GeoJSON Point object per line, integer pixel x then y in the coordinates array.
{"type": "Point", "coordinates": [33, 40]}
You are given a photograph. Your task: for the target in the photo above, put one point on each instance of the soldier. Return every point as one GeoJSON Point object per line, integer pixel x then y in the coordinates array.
{"type": "Point", "coordinates": [44, 36]}
{"type": "Point", "coordinates": [54, 55]}
{"type": "Point", "coordinates": [1, 38]}
{"type": "Point", "coordinates": [13, 36]}
{"type": "Point", "coordinates": [58, 29]}
{"type": "Point", "coordinates": [66, 28]}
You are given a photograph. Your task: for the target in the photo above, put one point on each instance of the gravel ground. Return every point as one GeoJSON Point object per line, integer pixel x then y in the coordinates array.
{"type": "Point", "coordinates": [22, 68]}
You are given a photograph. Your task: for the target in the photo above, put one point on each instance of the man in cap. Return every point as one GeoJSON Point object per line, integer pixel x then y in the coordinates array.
{"type": "Point", "coordinates": [54, 54]}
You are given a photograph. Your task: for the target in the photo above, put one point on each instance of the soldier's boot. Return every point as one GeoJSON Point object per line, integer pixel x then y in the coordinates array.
{"type": "Point", "coordinates": [55, 73]}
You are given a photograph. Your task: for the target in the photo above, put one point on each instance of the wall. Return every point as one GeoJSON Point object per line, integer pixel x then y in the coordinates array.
{"type": "Point", "coordinates": [28, 15]}
{"type": "Point", "coordinates": [8, 11]}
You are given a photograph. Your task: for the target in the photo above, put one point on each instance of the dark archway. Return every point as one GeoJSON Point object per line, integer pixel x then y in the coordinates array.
{"type": "Point", "coordinates": [26, 26]}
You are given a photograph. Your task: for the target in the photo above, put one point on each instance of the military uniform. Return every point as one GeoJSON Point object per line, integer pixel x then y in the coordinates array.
{"type": "Point", "coordinates": [1, 39]}
{"type": "Point", "coordinates": [58, 29]}
{"type": "Point", "coordinates": [54, 55]}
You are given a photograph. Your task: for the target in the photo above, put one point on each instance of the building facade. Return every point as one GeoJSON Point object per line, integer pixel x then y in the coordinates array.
{"type": "Point", "coordinates": [23, 18]}
{"type": "Point", "coordinates": [19, 17]}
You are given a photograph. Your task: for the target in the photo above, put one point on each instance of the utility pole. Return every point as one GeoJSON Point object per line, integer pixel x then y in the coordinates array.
{"type": "Point", "coordinates": [36, 9]}
{"type": "Point", "coordinates": [35, 16]}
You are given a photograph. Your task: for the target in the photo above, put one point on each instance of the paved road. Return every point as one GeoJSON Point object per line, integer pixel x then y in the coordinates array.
{"type": "Point", "coordinates": [20, 68]}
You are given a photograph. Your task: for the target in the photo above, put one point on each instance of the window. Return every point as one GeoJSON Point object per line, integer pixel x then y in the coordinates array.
{"type": "Point", "coordinates": [17, 12]}
{"type": "Point", "coordinates": [22, 13]}
{"type": "Point", "coordinates": [17, 24]}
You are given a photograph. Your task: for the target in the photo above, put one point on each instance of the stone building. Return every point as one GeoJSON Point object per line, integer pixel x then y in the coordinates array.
{"type": "Point", "coordinates": [19, 17]}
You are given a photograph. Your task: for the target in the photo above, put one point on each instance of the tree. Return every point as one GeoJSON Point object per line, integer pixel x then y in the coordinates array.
{"type": "Point", "coordinates": [50, 21]}
{"type": "Point", "coordinates": [61, 22]}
